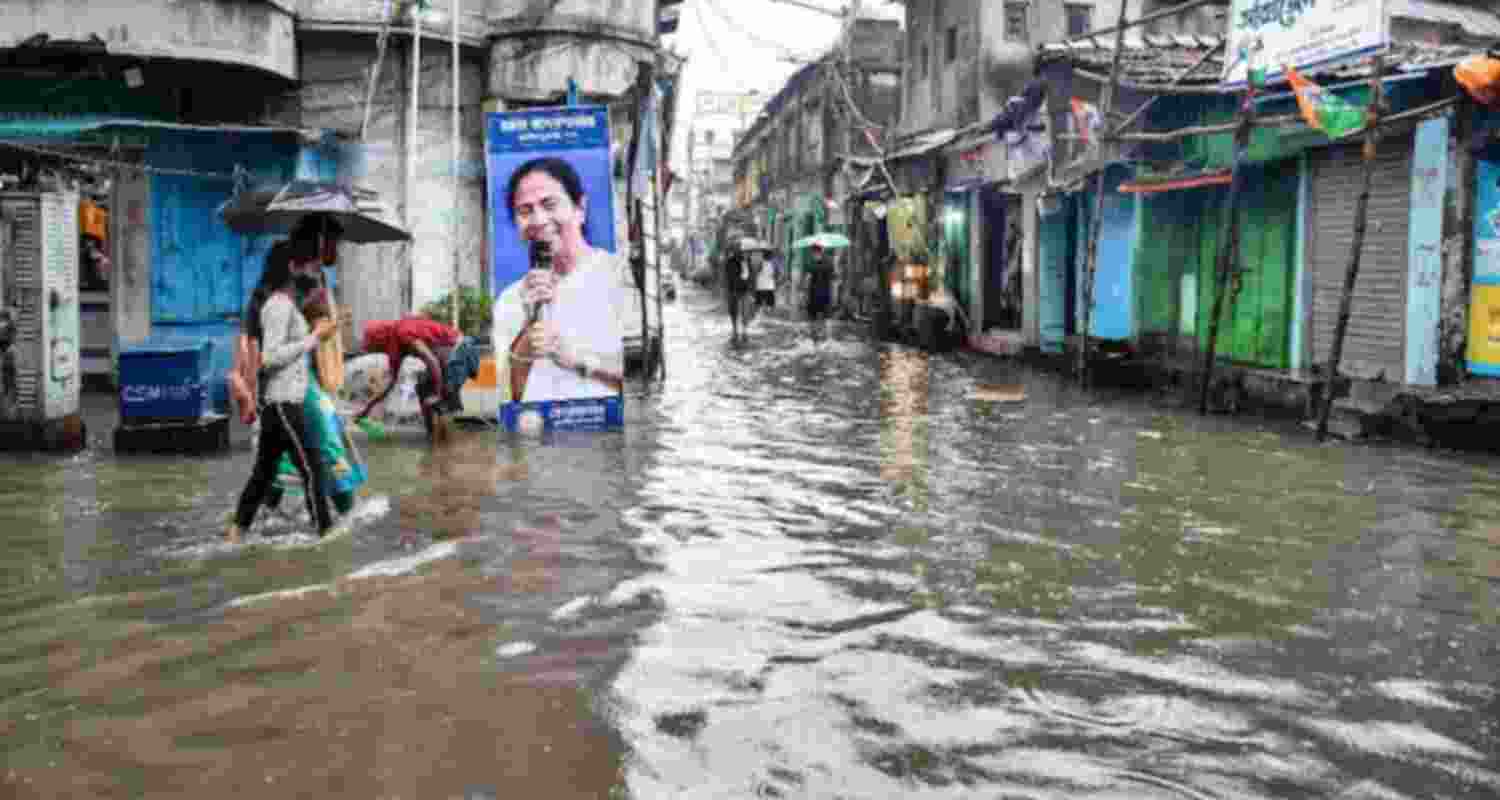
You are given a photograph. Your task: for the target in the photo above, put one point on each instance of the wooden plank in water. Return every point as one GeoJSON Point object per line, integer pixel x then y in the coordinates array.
{"type": "Point", "coordinates": [999, 393]}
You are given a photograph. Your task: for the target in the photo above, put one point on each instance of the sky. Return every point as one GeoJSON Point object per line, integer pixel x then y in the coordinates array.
{"type": "Point", "coordinates": [740, 45]}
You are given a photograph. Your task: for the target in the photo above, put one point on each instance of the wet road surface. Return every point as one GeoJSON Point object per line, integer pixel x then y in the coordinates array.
{"type": "Point", "coordinates": [803, 570]}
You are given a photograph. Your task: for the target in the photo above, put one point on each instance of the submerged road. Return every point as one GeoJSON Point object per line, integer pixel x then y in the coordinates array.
{"type": "Point", "coordinates": [803, 570]}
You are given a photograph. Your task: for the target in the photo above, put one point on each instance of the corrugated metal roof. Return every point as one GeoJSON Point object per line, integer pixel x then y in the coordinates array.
{"type": "Point", "coordinates": [925, 143]}
{"type": "Point", "coordinates": [1474, 21]}
{"type": "Point", "coordinates": [1150, 60]}
{"type": "Point", "coordinates": [1146, 59]}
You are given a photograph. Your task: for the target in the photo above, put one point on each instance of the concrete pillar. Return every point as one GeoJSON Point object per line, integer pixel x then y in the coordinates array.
{"type": "Point", "coordinates": [978, 264]}
{"type": "Point", "coordinates": [1031, 288]}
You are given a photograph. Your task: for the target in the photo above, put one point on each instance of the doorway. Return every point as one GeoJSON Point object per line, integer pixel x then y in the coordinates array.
{"type": "Point", "coordinates": [1003, 248]}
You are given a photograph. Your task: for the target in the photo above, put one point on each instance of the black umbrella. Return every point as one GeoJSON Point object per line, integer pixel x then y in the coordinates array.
{"type": "Point", "coordinates": [358, 213]}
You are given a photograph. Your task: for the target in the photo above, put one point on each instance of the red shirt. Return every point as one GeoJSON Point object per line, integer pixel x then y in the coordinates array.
{"type": "Point", "coordinates": [397, 337]}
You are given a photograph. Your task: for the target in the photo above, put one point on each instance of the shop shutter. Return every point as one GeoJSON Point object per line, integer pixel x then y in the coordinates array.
{"type": "Point", "coordinates": [1374, 346]}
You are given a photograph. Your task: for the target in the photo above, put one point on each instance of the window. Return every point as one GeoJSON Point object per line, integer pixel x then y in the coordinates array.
{"type": "Point", "coordinates": [1017, 27]}
{"type": "Point", "coordinates": [708, 138]}
{"type": "Point", "coordinates": [1080, 18]}
{"type": "Point", "coordinates": [952, 43]}
{"type": "Point", "coordinates": [924, 61]}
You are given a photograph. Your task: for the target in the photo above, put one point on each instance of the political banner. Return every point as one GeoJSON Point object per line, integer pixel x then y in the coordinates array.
{"type": "Point", "coordinates": [562, 291]}
{"type": "Point", "coordinates": [1270, 35]}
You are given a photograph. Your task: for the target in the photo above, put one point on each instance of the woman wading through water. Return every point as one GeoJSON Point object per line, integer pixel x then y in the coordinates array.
{"type": "Point", "coordinates": [284, 341]}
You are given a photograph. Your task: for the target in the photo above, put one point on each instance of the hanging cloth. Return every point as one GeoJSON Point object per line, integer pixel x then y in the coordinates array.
{"type": "Point", "coordinates": [907, 221]}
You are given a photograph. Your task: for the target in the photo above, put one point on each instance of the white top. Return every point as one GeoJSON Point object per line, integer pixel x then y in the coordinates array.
{"type": "Point", "coordinates": [589, 306]}
{"type": "Point", "coordinates": [284, 345]}
{"type": "Point", "coordinates": [766, 280]}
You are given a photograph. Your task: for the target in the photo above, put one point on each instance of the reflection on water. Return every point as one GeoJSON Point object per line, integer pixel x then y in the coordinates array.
{"type": "Point", "coordinates": [806, 569]}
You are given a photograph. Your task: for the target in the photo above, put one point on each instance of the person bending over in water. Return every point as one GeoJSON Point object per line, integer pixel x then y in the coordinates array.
{"type": "Point", "coordinates": [449, 356]}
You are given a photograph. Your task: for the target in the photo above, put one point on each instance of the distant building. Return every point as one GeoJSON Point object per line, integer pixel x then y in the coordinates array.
{"type": "Point", "coordinates": [794, 166]}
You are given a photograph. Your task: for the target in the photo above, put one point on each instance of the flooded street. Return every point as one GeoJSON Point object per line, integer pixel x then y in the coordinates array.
{"type": "Point", "coordinates": [803, 570]}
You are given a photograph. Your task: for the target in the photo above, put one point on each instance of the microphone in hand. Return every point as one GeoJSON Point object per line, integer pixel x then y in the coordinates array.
{"type": "Point", "coordinates": [541, 259]}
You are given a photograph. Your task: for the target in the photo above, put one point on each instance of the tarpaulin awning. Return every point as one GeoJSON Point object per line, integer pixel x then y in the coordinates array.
{"type": "Point", "coordinates": [966, 184]}
{"type": "Point", "coordinates": [52, 128]}
{"type": "Point", "coordinates": [1176, 184]}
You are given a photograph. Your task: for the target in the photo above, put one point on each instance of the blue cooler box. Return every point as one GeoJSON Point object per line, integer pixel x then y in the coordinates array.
{"type": "Point", "coordinates": [167, 380]}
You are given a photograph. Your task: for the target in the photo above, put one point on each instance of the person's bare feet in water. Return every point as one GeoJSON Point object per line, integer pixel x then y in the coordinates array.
{"type": "Point", "coordinates": [232, 533]}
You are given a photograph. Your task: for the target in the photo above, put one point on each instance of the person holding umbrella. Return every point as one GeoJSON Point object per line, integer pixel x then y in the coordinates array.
{"type": "Point", "coordinates": [819, 285]}
{"type": "Point", "coordinates": [284, 341]}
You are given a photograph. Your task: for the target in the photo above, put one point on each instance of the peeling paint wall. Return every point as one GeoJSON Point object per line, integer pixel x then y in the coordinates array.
{"type": "Point", "coordinates": [373, 276]}
{"type": "Point", "coordinates": [543, 43]}
{"type": "Point", "coordinates": [244, 32]}
{"type": "Point", "coordinates": [370, 15]}
{"type": "Point", "coordinates": [130, 291]}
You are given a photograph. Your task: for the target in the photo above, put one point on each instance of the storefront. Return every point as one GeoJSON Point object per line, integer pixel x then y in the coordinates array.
{"type": "Point", "coordinates": [1375, 341]}
{"type": "Point", "coordinates": [1178, 278]}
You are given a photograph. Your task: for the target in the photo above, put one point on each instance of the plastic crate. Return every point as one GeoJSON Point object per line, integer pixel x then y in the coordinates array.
{"type": "Point", "coordinates": [166, 380]}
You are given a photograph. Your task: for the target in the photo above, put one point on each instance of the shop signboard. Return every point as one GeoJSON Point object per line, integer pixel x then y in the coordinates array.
{"type": "Point", "coordinates": [1304, 34]}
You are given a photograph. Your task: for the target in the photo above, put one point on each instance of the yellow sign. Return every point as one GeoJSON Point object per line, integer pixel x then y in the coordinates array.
{"type": "Point", "coordinates": [1484, 326]}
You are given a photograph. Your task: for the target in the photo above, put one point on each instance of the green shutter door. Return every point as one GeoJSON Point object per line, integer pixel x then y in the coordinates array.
{"type": "Point", "coordinates": [1179, 256]}
{"type": "Point", "coordinates": [956, 259]}
{"type": "Point", "coordinates": [1254, 326]}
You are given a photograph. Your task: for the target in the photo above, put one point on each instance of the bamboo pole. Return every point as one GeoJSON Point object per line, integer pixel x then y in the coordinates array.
{"type": "Point", "coordinates": [1228, 261]}
{"type": "Point", "coordinates": [1279, 120]}
{"type": "Point", "coordinates": [1090, 264]}
{"type": "Point", "coordinates": [380, 45]}
{"type": "Point", "coordinates": [1179, 78]}
{"type": "Point", "coordinates": [1361, 218]}
{"type": "Point", "coordinates": [635, 214]}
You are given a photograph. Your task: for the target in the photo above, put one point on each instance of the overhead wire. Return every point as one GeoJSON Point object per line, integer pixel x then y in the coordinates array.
{"type": "Point", "coordinates": [753, 37]}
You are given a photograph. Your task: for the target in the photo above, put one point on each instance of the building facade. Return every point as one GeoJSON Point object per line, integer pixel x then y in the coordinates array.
{"type": "Point", "coordinates": [808, 151]}
{"type": "Point", "coordinates": [1423, 268]}
{"type": "Point", "coordinates": [720, 120]}
{"type": "Point", "coordinates": [972, 137]}
{"type": "Point", "coordinates": [164, 107]}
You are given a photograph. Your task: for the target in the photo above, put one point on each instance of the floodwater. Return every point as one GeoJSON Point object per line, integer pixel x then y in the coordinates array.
{"type": "Point", "coordinates": [804, 570]}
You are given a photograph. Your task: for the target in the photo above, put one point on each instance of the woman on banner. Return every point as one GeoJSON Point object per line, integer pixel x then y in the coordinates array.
{"type": "Point", "coordinates": [562, 329]}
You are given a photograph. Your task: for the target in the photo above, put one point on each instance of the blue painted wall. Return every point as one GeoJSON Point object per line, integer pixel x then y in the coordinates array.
{"type": "Point", "coordinates": [1424, 303]}
{"type": "Point", "coordinates": [201, 270]}
{"type": "Point", "coordinates": [202, 273]}
{"type": "Point", "coordinates": [1114, 306]}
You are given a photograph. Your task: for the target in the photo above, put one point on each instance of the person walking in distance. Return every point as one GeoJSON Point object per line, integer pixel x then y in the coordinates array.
{"type": "Point", "coordinates": [819, 288]}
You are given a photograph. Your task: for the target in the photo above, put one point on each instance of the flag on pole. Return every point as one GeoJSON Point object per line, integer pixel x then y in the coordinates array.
{"type": "Point", "coordinates": [1324, 110]}
{"type": "Point", "coordinates": [1087, 120]}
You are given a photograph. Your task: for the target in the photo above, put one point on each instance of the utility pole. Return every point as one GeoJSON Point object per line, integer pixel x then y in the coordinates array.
{"type": "Point", "coordinates": [1229, 265]}
{"type": "Point", "coordinates": [456, 152]}
{"type": "Point", "coordinates": [416, 7]}
{"type": "Point", "coordinates": [1091, 260]}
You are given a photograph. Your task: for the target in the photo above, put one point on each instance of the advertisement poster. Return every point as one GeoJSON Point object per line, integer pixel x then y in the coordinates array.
{"type": "Point", "coordinates": [1305, 34]}
{"type": "Point", "coordinates": [561, 288]}
{"type": "Point", "coordinates": [1484, 315]}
